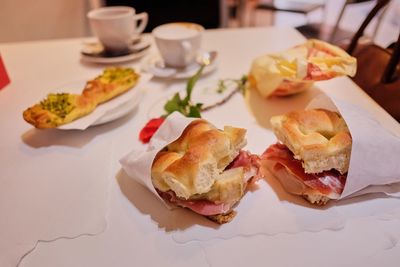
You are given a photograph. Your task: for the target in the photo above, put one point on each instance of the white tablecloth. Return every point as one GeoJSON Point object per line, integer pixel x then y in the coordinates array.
{"type": "Point", "coordinates": [64, 200]}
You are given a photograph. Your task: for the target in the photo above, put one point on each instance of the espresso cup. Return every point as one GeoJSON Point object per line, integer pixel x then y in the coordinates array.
{"type": "Point", "coordinates": [178, 42]}
{"type": "Point", "coordinates": [116, 25]}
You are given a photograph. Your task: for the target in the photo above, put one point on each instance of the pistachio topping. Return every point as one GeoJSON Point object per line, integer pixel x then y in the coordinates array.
{"type": "Point", "coordinates": [114, 73]}
{"type": "Point", "coordinates": [58, 104]}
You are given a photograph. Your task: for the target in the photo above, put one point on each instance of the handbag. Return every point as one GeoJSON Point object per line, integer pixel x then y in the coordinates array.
{"type": "Point", "coordinates": [378, 70]}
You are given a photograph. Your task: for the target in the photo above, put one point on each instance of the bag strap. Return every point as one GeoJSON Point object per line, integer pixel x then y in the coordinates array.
{"type": "Point", "coordinates": [390, 70]}
{"type": "Point", "coordinates": [378, 6]}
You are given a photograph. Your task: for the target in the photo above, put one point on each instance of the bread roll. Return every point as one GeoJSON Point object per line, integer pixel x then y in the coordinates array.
{"type": "Point", "coordinates": [205, 170]}
{"type": "Point", "coordinates": [319, 138]}
{"type": "Point", "coordinates": [190, 165]}
{"type": "Point", "coordinates": [313, 158]}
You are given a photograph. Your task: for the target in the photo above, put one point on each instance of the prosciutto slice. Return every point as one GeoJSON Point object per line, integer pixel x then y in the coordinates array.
{"type": "Point", "coordinates": [203, 207]}
{"type": "Point", "coordinates": [249, 162]}
{"type": "Point", "coordinates": [250, 165]}
{"type": "Point", "coordinates": [280, 161]}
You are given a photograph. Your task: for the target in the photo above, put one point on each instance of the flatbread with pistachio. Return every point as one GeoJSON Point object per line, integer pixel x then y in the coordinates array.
{"type": "Point", "coordinates": [61, 108]}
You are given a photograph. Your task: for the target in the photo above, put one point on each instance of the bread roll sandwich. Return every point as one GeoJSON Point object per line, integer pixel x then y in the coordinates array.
{"type": "Point", "coordinates": [313, 157]}
{"type": "Point", "coordinates": [205, 170]}
{"type": "Point", "coordinates": [61, 108]}
{"type": "Point", "coordinates": [295, 70]}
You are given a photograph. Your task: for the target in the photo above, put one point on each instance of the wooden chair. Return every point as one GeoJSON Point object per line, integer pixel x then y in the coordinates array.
{"type": "Point", "coordinates": [336, 34]}
{"type": "Point", "coordinates": [378, 68]}
{"type": "Point", "coordinates": [333, 34]}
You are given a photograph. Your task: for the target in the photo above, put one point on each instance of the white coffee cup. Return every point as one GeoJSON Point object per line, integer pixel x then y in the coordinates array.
{"type": "Point", "coordinates": [178, 42]}
{"type": "Point", "coordinates": [116, 25]}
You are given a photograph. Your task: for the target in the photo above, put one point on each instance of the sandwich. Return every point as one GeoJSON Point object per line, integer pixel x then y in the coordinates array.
{"type": "Point", "coordinates": [313, 155]}
{"type": "Point", "coordinates": [205, 170]}
{"type": "Point", "coordinates": [61, 108]}
{"type": "Point", "coordinates": [294, 70]}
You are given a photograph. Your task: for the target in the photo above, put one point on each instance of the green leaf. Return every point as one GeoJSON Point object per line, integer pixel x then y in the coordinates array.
{"type": "Point", "coordinates": [184, 105]}
{"type": "Point", "coordinates": [174, 104]}
{"type": "Point", "coordinates": [194, 111]}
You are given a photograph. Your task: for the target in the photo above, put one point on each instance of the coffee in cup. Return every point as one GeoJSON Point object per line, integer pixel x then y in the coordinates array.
{"type": "Point", "coordinates": [178, 42]}
{"type": "Point", "coordinates": [116, 25]}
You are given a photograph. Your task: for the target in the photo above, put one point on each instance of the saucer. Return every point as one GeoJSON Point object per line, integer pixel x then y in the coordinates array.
{"type": "Point", "coordinates": [94, 52]}
{"type": "Point", "coordinates": [154, 64]}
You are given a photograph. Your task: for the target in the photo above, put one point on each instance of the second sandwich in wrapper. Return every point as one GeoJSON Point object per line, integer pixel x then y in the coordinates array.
{"type": "Point", "coordinates": [332, 150]}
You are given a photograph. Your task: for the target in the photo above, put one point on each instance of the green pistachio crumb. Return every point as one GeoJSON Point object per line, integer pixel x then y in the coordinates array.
{"type": "Point", "coordinates": [57, 104]}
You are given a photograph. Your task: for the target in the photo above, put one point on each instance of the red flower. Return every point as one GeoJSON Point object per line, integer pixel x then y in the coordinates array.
{"type": "Point", "coordinates": [149, 129]}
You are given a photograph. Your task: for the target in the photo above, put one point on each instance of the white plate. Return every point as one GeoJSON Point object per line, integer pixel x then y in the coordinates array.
{"type": "Point", "coordinates": [154, 64]}
{"type": "Point", "coordinates": [204, 92]}
{"type": "Point", "coordinates": [139, 49]}
{"type": "Point", "coordinates": [121, 110]}
{"type": "Point", "coordinates": [108, 111]}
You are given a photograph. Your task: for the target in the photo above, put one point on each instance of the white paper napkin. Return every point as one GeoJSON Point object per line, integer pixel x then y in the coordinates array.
{"type": "Point", "coordinates": [374, 159]}
{"type": "Point", "coordinates": [266, 210]}
{"type": "Point", "coordinates": [137, 164]}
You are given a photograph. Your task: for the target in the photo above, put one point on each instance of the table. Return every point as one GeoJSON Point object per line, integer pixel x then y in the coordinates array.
{"type": "Point", "coordinates": [64, 200]}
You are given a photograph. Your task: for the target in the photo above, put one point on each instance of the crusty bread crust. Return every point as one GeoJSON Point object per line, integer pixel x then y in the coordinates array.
{"type": "Point", "coordinates": [190, 165]}
{"type": "Point", "coordinates": [193, 167]}
{"type": "Point", "coordinates": [319, 138]}
{"type": "Point", "coordinates": [316, 198]}
{"type": "Point", "coordinates": [223, 218]}
{"type": "Point", "coordinates": [59, 109]}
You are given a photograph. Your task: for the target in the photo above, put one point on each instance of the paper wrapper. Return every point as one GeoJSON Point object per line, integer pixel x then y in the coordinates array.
{"type": "Point", "coordinates": [268, 209]}
{"type": "Point", "coordinates": [373, 160]}
{"type": "Point", "coordinates": [295, 70]}
{"type": "Point", "coordinates": [372, 164]}
{"type": "Point", "coordinates": [137, 164]}
{"type": "Point", "coordinates": [110, 110]}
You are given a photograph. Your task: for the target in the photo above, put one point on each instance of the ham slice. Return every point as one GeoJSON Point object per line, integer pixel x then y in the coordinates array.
{"type": "Point", "coordinates": [203, 207]}
{"type": "Point", "coordinates": [314, 73]}
{"type": "Point", "coordinates": [280, 161]}
{"type": "Point", "coordinates": [249, 162]}
{"type": "Point", "coordinates": [250, 165]}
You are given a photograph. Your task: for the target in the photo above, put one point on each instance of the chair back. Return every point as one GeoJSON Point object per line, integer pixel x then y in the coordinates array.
{"type": "Point", "coordinates": [360, 32]}
{"type": "Point", "coordinates": [378, 70]}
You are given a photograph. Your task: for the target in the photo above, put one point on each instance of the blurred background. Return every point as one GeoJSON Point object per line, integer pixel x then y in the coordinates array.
{"type": "Point", "coordinates": [22, 20]}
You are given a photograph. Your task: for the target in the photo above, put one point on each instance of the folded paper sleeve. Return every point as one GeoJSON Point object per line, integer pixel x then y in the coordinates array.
{"type": "Point", "coordinates": [373, 160]}
{"type": "Point", "coordinates": [137, 164]}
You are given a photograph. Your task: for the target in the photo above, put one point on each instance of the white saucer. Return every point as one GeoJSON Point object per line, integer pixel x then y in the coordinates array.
{"type": "Point", "coordinates": [92, 52]}
{"type": "Point", "coordinates": [154, 64]}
